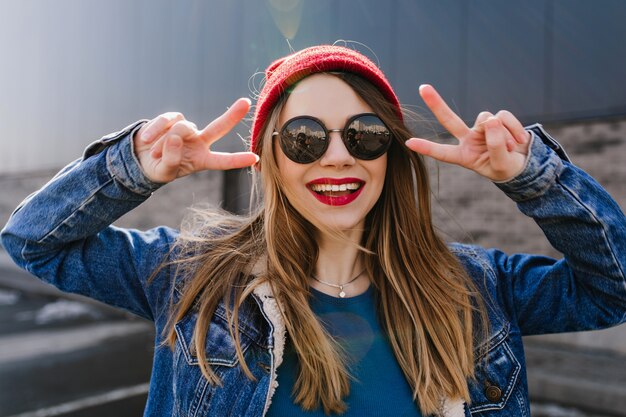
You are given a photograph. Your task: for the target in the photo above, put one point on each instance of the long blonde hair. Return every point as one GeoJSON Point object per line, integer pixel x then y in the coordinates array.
{"type": "Point", "coordinates": [429, 307]}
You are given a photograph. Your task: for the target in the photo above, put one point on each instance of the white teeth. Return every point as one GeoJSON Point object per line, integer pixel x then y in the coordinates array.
{"type": "Point", "coordinates": [329, 187]}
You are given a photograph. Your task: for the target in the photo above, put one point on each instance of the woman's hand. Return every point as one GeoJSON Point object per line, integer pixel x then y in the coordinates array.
{"type": "Point", "coordinates": [495, 147]}
{"type": "Point", "coordinates": [170, 147]}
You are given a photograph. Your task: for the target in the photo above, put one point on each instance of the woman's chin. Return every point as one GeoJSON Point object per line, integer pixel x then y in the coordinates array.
{"type": "Point", "coordinates": [346, 226]}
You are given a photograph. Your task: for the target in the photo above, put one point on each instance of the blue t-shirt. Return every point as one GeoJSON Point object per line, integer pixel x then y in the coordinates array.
{"type": "Point", "coordinates": [378, 386]}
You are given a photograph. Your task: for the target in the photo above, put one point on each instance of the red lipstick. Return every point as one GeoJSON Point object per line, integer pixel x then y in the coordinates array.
{"type": "Point", "coordinates": [336, 200]}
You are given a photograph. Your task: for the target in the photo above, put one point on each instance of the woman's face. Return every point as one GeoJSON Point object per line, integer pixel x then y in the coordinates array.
{"type": "Point", "coordinates": [332, 101]}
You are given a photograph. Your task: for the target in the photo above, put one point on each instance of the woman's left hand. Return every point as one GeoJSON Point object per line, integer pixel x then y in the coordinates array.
{"type": "Point", "coordinates": [495, 147]}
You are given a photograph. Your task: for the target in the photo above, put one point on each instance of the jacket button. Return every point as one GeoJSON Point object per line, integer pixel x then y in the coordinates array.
{"type": "Point", "coordinates": [493, 393]}
{"type": "Point", "coordinates": [264, 366]}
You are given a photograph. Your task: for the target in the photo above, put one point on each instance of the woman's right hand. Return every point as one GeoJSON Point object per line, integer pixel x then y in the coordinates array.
{"type": "Point", "coordinates": [170, 147]}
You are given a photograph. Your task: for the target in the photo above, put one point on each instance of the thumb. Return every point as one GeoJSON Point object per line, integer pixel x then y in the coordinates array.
{"type": "Point", "coordinates": [496, 141]}
{"type": "Point", "coordinates": [172, 156]}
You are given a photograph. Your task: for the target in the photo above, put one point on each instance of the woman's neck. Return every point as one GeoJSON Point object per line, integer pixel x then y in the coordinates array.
{"type": "Point", "coordinates": [338, 263]}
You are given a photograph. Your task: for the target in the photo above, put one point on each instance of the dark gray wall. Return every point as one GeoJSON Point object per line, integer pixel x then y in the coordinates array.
{"type": "Point", "coordinates": [73, 70]}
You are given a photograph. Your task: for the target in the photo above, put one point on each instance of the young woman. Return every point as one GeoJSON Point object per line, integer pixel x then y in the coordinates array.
{"type": "Point", "coordinates": [335, 296]}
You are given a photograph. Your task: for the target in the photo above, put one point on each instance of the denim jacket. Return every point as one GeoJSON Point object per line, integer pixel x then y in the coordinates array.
{"type": "Point", "coordinates": [63, 234]}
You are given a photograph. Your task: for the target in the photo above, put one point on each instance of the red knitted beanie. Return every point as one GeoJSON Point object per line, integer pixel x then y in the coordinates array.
{"type": "Point", "coordinates": [286, 71]}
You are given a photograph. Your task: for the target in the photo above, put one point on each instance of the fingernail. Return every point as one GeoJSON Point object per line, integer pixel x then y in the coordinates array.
{"type": "Point", "coordinates": [248, 100]}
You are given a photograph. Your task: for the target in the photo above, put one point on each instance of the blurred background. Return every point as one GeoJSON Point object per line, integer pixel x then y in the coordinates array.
{"type": "Point", "coordinates": [72, 71]}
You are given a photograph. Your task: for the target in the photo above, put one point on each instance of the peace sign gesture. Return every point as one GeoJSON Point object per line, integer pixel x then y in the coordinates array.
{"type": "Point", "coordinates": [495, 147]}
{"type": "Point", "coordinates": [170, 147]}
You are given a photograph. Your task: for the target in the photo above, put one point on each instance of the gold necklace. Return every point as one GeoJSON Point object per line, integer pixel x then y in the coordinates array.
{"type": "Point", "coordinates": [342, 293]}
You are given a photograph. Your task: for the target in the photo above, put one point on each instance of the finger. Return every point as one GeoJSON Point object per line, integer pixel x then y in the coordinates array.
{"type": "Point", "coordinates": [514, 126]}
{"type": "Point", "coordinates": [223, 161]}
{"type": "Point", "coordinates": [158, 125]}
{"type": "Point", "coordinates": [438, 151]}
{"type": "Point", "coordinates": [496, 141]}
{"type": "Point", "coordinates": [223, 124]}
{"type": "Point", "coordinates": [480, 120]}
{"type": "Point", "coordinates": [156, 151]}
{"type": "Point", "coordinates": [183, 128]}
{"type": "Point", "coordinates": [172, 155]}
{"type": "Point", "coordinates": [479, 126]}
{"type": "Point", "coordinates": [448, 119]}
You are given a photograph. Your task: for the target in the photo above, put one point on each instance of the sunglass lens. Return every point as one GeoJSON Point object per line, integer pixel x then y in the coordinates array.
{"type": "Point", "coordinates": [367, 137]}
{"type": "Point", "coordinates": [303, 140]}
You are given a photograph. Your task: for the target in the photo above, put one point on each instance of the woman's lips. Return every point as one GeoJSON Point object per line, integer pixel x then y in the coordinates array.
{"type": "Point", "coordinates": [339, 200]}
{"type": "Point", "coordinates": [336, 191]}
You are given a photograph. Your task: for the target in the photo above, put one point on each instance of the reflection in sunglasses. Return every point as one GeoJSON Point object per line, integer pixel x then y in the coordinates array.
{"type": "Point", "coordinates": [304, 138]}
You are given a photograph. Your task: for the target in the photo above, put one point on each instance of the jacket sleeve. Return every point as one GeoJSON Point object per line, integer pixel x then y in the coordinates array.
{"type": "Point", "coordinates": [584, 290]}
{"type": "Point", "coordinates": [63, 234]}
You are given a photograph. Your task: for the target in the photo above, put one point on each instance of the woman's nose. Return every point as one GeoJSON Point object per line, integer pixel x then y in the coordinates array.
{"type": "Point", "coordinates": [336, 154]}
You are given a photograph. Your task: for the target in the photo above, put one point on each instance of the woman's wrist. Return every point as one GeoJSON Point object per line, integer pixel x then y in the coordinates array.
{"type": "Point", "coordinates": [540, 171]}
{"type": "Point", "coordinates": [124, 166]}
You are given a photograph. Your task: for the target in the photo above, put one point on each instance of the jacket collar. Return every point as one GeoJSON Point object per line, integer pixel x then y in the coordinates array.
{"type": "Point", "coordinates": [271, 311]}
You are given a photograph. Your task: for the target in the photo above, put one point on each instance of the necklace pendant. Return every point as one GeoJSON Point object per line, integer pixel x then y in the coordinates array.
{"type": "Point", "coordinates": [342, 293]}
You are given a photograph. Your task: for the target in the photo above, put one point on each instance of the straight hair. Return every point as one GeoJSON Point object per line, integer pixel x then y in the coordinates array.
{"type": "Point", "coordinates": [428, 305]}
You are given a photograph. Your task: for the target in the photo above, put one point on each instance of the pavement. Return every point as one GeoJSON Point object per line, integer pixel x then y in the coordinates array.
{"type": "Point", "coordinates": [591, 381]}
{"type": "Point", "coordinates": [66, 355]}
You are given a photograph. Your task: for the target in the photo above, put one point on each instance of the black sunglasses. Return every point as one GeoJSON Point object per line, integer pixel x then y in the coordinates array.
{"type": "Point", "coordinates": [304, 139]}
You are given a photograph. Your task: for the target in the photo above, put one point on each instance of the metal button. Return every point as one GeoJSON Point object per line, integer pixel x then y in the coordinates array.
{"type": "Point", "coordinates": [493, 393]}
